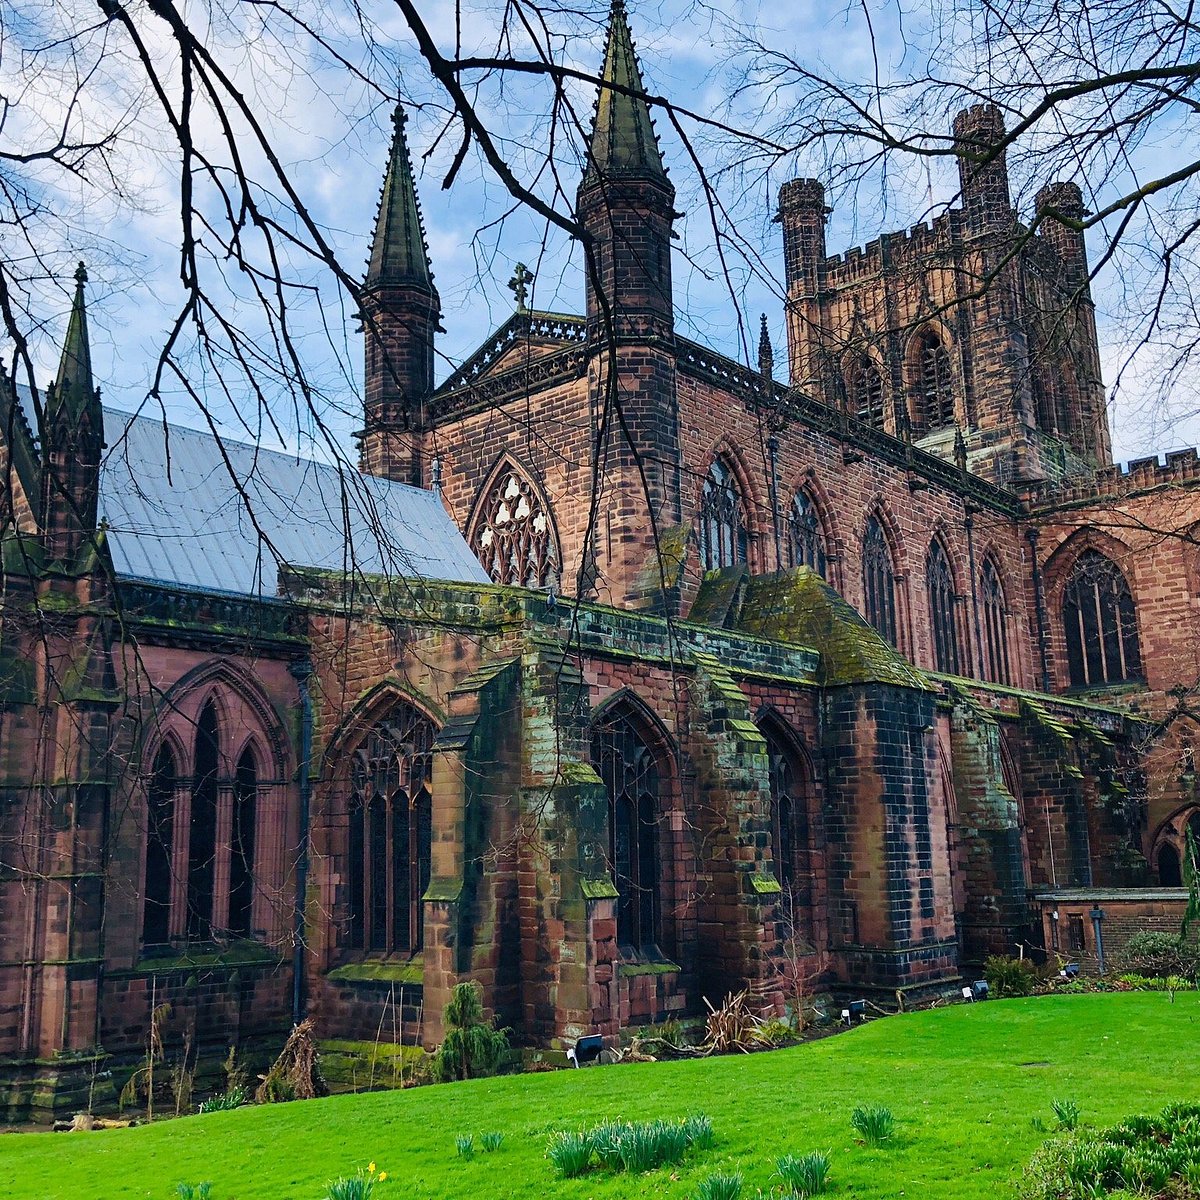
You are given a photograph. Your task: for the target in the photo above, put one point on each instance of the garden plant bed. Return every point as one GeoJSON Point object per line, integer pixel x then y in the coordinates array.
{"type": "Point", "coordinates": [956, 1078]}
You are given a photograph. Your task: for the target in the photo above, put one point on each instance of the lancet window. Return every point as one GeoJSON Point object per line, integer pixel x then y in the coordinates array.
{"type": "Point", "coordinates": [935, 387]}
{"type": "Point", "coordinates": [939, 581]}
{"type": "Point", "coordinates": [806, 540]}
{"type": "Point", "coordinates": [513, 536]}
{"type": "Point", "coordinates": [723, 538]}
{"type": "Point", "coordinates": [879, 581]}
{"type": "Point", "coordinates": [995, 624]}
{"type": "Point", "coordinates": [864, 387]}
{"type": "Point", "coordinates": [391, 833]}
{"type": "Point", "coordinates": [160, 837]}
{"type": "Point", "coordinates": [630, 771]}
{"type": "Point", "coordinates": [1099, 624]}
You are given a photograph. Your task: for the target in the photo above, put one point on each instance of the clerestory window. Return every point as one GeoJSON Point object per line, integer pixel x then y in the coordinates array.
{"type": "Point", "coordinates": [1099, 624]}
{"type": "Point", "coordinates": [723, 538]}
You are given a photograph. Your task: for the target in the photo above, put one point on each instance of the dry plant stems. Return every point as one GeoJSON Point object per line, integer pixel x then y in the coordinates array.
{"type": "Point", "coordinates": [296, 1073]}
{"type": "Point", "coordinates": [732, 1026]}
{"type": "Point", "coordinates": [141, 1082]}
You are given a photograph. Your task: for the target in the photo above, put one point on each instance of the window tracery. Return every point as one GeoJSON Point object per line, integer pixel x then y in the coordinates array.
{"type": "Point", "coordinates": [995, 624]}
{"type": "Point", "coordinates": [806, 539]}
{"type": "Point", "coordinates": [629, 769]}
{"type": "Point", "coordinates": [879, 581]}
{"type": "Point", "coordinates": [1100, 624]}
{"type": "Point", "coordinates": [391, 832]}
{"type": "Point", "coordinates": [865, 388]}
{"type": "Point", "coordinates": [939, 581]}
{"type": "Point", "coordinates": [514, 535]}
{"type": "Point", "coordinates": [935, 385]}
{"type": "Point", "coordinates": [724, 541]}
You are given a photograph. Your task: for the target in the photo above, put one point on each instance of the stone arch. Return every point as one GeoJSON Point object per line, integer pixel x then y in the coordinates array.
{"type": "Point", "coordinates": [932, 383]}
{"type": "Point", "coordinates": [994, 617]}
{"type": "Point", "coordinates": [866, 391]}
{"type": "Point", "coordinates": [877, 517]}
{"type": "Point", "coordinates": [724, 454]}
{"type": "Point", "coordinates": [826, 515]}
{"type": "Point", "coordinates": [366, 711]}
{"type": "Point", "coordinates": [942, 591]}
{"type": "Point", "coordinates": [512, 529]}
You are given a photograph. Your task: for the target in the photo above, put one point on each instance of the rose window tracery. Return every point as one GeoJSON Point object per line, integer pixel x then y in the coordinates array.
{"type": "Point", "coordinates": [514, 536]}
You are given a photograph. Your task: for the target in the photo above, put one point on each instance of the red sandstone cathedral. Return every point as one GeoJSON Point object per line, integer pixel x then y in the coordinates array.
{"type": "Point", "coordinates": [622, 676]}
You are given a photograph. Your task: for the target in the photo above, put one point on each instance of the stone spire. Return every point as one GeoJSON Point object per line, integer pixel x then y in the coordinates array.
{"type": "Point", "coordinates": [73, 393]}
{"type": "Point", "coordinates": [623, 139]}
{"type": "Point", "coordinates": [399, 255]}
{"type": "Point", "coordinates": [766, 353]}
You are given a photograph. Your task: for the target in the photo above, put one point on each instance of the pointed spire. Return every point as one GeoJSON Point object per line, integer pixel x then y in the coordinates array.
{"type": "Point", "coordinates": [73, 389]}
{"type": "Point", "coordinates": [399, 256]}
{"type": "Point", "coordinates": [766, 354]}
{"type": "Point", "coordinates": [623, 137]}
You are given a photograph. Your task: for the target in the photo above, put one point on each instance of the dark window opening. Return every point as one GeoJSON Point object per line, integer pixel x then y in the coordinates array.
{"type": "Point", "coordinates": [939, 581]}
{"type": "Point", "coordinates": [1170, 872]}
{"type": "Point", "coordinates": [935, 388]}
{"type": "Point", "coordinates": [879, 581]}
{"type": "Point", "coordinates": [995, 625]}
{"type": "Point", "coordinates": [202, 843]}
{"type": "Point", "coordinates": [631, 777]}
{"type": "Point", "coordinates": [789, 829]}
{"type": "Point", "coordinates": [1074, 932]}
{"type": "Point", "coordinates": [160, 822]}
{"type": "Point", "coordinates": [1100, 624]}
{"type": "Point", "coordinates": [241, 851]}
{"type": "Point", "coordinates": [865, 389]}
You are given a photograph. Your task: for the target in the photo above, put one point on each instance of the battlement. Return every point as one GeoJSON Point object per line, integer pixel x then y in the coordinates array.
{"type": "Point", "coordinates": [1177, 468]}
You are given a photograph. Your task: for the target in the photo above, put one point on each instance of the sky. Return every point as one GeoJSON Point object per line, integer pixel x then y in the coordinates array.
{"type": "Point", "coordinates": [326, 114]}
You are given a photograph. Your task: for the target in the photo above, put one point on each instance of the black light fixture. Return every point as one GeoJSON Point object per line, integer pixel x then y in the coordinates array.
{"type": "Point", "coordinates": [586, 1050]}
{"type": "Point", "coordinates": [1070, 971]}
{"type": "Point", "coordinates": [857, 1011]}
{"type": "Point", "coordinates": [979, 989]}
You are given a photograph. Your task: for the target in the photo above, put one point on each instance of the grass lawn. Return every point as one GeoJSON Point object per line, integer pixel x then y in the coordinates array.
{"type": "Point", "coordinates": [963, 1082]}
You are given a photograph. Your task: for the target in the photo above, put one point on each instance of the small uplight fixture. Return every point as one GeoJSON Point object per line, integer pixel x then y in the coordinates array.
{"type": "Point", "coordinates": [968, 995]}
{"type": "Point", "coordinates": [979, 989]}
{"type": "Point", "coordinates": [1070, 971]}
{"type": "Point", "coordinates": [586, 1050]}
{"type": "Point", "coordinates": [857, 1011]}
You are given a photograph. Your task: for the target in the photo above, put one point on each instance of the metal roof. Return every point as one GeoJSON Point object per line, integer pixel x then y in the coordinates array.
{"type": "Point", "coordinates": [186, 509]}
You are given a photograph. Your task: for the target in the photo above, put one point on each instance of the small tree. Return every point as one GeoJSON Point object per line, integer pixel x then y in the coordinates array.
{"type": "Point", "coordinates": [473, 1046]}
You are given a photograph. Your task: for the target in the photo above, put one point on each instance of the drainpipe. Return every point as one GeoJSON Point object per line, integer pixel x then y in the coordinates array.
{"type": "Point", "coordinates": [1039, 604]}
{"type": "Point", "coordinates": [969, 525]}
{"type": "Point", "coordinates": [301, 672]}
{"type": "Point", "coordinates": [773, 452]}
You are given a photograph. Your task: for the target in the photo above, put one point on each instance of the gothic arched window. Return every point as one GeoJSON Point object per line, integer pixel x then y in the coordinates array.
{"type": "Point", "coordinates": [160, 836]}
{"type": "Point", "coordinates": [864, 388]}
{"type": "Point", "coordinates": [806, 541]}
{"type": "Point", "coordinates": [879, 581]}
{"type": "Point", "coordinates": [1170, 872]}
{"type": "Point", "coordinates": [391, 832]}
{"type": "Point", "coordinates": [631, 776]}
{"type": "Point", "coordinates": [723, 538]}
{"type": "Point", "coordinates": [939, 581]}
{"type": "Point", "coordinates": [202, 842]}
{"type": "Point", "coordinates": [513, 535]}
{"type": "Point", "coordinates": [935, 387]}
{"type": "Point", "coordinates": [1099, 624]}
{"type": "Point", "coordinates": [241, 848]}
{"type": "Point", "coordinates": [995, 624]}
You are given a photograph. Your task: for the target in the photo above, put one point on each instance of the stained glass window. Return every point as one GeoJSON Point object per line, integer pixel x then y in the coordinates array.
{"type": "Point", "coordinates": [806, 541]}
{"type": "Point", "coordinates": [995, 624]}
{"type": "Point", "coordinates": [939, 581]}
{"type": "Point", "coordinates": [879, 581]}
{"type": "Point", "coordinates": [160, 836]}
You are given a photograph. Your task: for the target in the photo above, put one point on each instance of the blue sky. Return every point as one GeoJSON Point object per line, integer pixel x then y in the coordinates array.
{"type": "Point", "coordinates": [330, 126]}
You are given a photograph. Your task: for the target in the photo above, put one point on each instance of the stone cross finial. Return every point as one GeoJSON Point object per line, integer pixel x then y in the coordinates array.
{"type": "Point", "coordinates": [519, 285]}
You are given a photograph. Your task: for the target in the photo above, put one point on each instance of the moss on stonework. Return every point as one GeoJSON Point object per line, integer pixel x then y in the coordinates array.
{"type": "Point", "coordinates": [410, 971]}
{"type": "Point", "coordinates": [599, 889]}
{"type": "Point", "coordinates": [444, 890]}
{"type": "Point", "coordinates": [576, 774]}
{"type": "Point", "coordinates": [244, 953]}
{"type": "Point", "coordinates": [765, 885]}
{"type": "Point", "coordinates": [799, 607]}
{"type": "Point", "coordinates": [647, 968]}
{"type": "Point", "coordinates": [716, 602]}
{"type": "Point", "coordinates": [663, 572]}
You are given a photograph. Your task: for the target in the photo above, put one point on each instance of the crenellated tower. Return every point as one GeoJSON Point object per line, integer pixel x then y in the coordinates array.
{"type": "Point", "coordinates": [400, 314]}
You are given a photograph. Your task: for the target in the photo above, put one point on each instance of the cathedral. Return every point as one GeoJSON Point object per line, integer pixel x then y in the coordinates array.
{"type": "Point", "coordinates": [622, 676]}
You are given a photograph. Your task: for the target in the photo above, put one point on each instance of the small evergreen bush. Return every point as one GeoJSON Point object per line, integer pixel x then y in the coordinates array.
{"type": "Point", "coordinates": [473, 1046]}
{"type": "Point", "coordinates": [874, 1122]}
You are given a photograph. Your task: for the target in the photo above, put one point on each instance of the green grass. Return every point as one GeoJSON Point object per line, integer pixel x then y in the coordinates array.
{"type": "Point", "coordinates": [963, 1083]}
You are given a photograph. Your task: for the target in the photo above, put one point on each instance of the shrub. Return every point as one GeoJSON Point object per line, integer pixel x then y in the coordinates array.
{"type": "Point", "coordinates": [775, 1033]}
{"type": "Point", "coordinates": [234, 1098]}
{"type": "Point", "coordinates": [1156, 955]}
{"type": "Point", "coordinates": [490, 1142]}
{"type": "Point", "coordinates": [571, 1153]}
{"type": "Point", "coordinates": [1009, 976]}
{"type": "Point", "coordinates": [465, 1145]}
{"type": "Point", "coordinates": [1067, 1112]}
{"type": "Point", "coordinates": [874, 1123]}
{"type": "Point", "coordinates": [720, 1187]}
{"type": "Point", "coordinates": [804, 1174]}
{"type": "Point", "coordinates": [474, 1047]}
